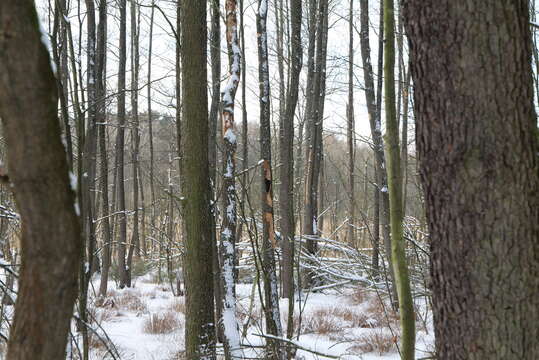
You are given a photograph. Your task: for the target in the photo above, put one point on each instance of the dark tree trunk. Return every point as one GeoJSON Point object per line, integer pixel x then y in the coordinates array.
{"type": "Point", "coordinates": [51, 238]}
{"type": "Point", "coordinates": [374, 106]}
{"type": "Point", "coordinates": [215, 59]}
{"type": "Point", "coordinates": [150, 126]}
{"type": "Point", "coordinates": [135, 134]}
{"type": "Point", "coordinates": [199, 327]}
{"type": "Point", "coordinates": [477, 144]}
{"type": "Point", "coordinates": [287, 160]}
{"type": "Point", "coordinates": [351, 127]}
{"type": "Point", "coordinates": [101, 119]}
{"type": "Point", "coordinates": [269, 242]}
{"type": "Point", "coordinates": [120, 150]}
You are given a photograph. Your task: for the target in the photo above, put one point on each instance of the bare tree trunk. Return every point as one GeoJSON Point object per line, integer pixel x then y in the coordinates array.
{"type": "Point", "coordinates": [228, 228]}
{"type": "Point", "coordinates": [120, 148]}
{"type": "Point", "coordinates": [351, 127]}
{"type": "Point", "coordinates": [215, 58]}
{"type": "Point", "coordinates": [200, 328]}
{"type": "Point", "coordinates": [374, 106]}
{"type": "Point", "coordinates": [101, 119]}
{"type": "Point", "coordinates": [477, 144]}
{"type": "Point", "coordinates": [150, 126]}
{"type": "Point", "coordinates": [87, 188]}
{"type": "Point", "coordinates": [314, 117]}
{"type": "Point", "coordinates": [51, 237]}
{"type": "Point", "coordinates": [287, 158]}
{"type": "Point", "coordinates": [269, 243]}
{"type": "Point", "coordinates": [135, 135]}
{"type": "Point", "coordinates": [244, 125]}
{"type": "Point", "coordinates": [394, 175]}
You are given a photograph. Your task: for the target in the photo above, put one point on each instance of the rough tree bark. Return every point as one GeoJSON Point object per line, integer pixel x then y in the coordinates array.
{"type": "Point", "coordinates": [477, 144]}
{"type": "Point", "coordinates": [199, 327]}
{"type": "Point", "coordinates": [269, 242]}
{"type": "Point", "coordinates": [51, 238]}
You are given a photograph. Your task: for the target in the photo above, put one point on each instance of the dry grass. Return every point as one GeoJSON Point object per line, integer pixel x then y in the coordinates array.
{"type": "Point", "coordinates": [354, 318]}
{"type": "Point", "coordinates": [375, 341]}
{"type": "Point", "coordinates": [177, 305]}
{"type": "Point", "coordinates": [98, 343]}
{"type": "Point", "coordinates": [161, 323]}
{"type": "Point", "coordinates": [320, 321]}
{"type": "Point", "coordinates": [130, 301]}
{"type": "Point", "coordinates": [359, 296]}
{"type": "Point", "coordinates": [382, 313]}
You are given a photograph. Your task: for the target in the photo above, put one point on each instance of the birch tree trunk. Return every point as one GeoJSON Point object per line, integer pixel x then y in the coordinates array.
{"type": "Point", "coordinates": [477, 144]}
{"type": "Point", "coordinates": [228, 233]}
{"type": "Point", "coordinates": [38, 168]}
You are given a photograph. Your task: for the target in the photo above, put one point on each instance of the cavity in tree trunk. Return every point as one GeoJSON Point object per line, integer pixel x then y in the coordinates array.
{"type": "Point", "coordinates": [477, 144]}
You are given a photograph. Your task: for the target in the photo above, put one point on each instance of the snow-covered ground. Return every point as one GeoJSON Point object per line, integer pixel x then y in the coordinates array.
{"type": "Point", "coordinates": [351, 324]}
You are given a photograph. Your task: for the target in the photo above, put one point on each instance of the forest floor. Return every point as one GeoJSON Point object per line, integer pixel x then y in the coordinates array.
{"type": "Point", "coordinates": [146, 322]}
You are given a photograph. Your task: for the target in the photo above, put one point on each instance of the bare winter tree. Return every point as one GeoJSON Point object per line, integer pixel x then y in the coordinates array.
{"type": "Point", "coordinates": [38, 168]}
{"type": "Point", "coordinates": [477, 143]}
{"type": "Point", "coordinates": [228, 229]}
{"type": "Point", "coordinates": [287, 159]}
{"type": "Point", "coordinates": [199, 327]}
{"type": "Point", "coordinates": [269, 242]}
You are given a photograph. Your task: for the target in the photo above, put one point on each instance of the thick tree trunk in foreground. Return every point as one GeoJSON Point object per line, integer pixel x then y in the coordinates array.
{"type": "Point", "coordinates": [51, 237]}
{"type": "Point", "coordinates": [199, 326]}
{"type": "Point", "coordinates": [477, 143]}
